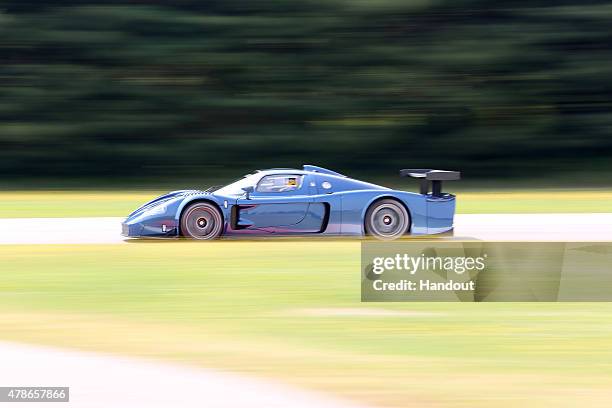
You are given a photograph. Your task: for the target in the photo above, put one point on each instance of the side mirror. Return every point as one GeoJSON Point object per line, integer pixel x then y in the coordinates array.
{"type": "Point", "coordinates": [248, 190]}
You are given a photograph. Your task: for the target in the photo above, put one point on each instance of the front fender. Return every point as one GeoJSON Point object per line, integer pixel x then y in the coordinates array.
{"type": "Point", "coordinates": [223, 203]}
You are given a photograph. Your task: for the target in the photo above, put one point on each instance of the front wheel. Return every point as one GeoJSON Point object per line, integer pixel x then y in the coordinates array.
{"type": "Point", "coordinates": [387, 219]}
{"type": "Point", "coordinates": [201, 221]}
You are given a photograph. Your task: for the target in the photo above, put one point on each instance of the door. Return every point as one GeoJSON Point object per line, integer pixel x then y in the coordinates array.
{"type": "Point", "coordinates": [280, 203]}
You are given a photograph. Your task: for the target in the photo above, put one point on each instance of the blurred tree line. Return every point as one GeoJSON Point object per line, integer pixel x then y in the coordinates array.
{"type": "Point", "coordinates": [192, 87]}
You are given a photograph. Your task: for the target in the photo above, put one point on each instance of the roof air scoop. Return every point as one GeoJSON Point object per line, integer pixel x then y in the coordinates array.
{"type": "Point", "coordinates": [317, 169]}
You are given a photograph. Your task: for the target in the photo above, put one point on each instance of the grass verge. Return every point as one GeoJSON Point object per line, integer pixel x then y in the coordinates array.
{"type": "Point", "coordinates": [290, 311]}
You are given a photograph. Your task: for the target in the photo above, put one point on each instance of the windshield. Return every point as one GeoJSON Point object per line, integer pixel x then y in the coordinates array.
{"type": "Point", "coordinates": [235, 188]}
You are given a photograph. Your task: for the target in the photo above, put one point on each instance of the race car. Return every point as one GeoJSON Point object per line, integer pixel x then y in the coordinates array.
{"type": "Point", "coordinates": [308, 201]}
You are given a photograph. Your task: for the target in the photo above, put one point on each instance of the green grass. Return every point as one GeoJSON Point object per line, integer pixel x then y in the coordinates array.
{"type": "Point", "coordinates": [290, 311]}
{"type": "Point", "coordinates": [16, 204]}
{"type": "Point", "coordinates": [535, 201]}
{"type": "Point", "coordinates": [120, 203]}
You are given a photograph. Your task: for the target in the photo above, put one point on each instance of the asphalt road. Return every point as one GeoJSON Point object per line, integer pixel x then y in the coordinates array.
{"type": "Point", "coordinates": [500, 227]}
{"type": "Point", "coordinates": [103, 381]}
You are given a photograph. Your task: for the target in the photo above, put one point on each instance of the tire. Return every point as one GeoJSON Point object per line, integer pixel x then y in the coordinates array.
{"type": "Point", "coordinates": [387, 220]}
{"type": "Point", "coordinates": [201, 221]}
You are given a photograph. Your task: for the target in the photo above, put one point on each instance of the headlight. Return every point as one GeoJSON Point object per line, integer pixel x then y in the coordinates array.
{"type": "Point", "coordinates": [160, 209]}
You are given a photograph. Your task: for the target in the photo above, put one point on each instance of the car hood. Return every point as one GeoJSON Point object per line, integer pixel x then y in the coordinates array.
{"type": "Point", "coordinates": [164, 199]}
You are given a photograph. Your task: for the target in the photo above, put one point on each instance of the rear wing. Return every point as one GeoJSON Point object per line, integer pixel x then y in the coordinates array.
{"type": "Point", "coordinates": [433, 178]}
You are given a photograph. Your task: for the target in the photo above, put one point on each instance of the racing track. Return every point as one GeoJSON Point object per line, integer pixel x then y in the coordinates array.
{"type": "Point", "coordinates": [103, 381]}
{"type": "Point", "coordinates": [492, 227]}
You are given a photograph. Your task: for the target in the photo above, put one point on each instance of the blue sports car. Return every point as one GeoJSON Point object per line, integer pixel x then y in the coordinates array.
{"type": "Point", "coordinates": [310, 201]}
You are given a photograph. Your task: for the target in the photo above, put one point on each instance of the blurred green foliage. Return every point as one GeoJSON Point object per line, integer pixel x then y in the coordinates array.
{"type": "Point", "coordinates": [192, 88]}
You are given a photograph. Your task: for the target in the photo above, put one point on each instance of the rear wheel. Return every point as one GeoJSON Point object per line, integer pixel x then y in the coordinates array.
{"type": "Point", "coordinates": [387, 219]}
{"type": "Point", "coordinates": [201, 221]}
